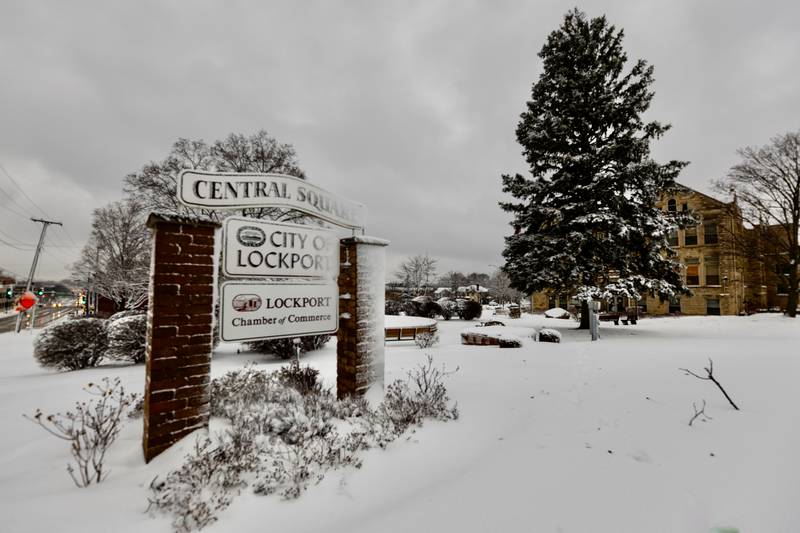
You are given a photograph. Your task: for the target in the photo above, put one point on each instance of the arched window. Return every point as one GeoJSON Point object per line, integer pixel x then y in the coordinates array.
{"type": "Point", "coordinates": [672, 206]}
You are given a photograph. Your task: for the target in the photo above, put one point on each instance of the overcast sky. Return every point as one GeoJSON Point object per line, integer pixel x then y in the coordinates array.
{"type": "Point", "coordinates": [407, 107]}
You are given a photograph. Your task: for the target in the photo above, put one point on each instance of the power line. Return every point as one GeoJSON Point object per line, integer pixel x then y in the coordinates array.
{"type": "Point", "coordinates": [12, 210]}
{"type": "Point", "coordinates": [22, 190]}
{"type": "Point", "coordinates": [34, 204]}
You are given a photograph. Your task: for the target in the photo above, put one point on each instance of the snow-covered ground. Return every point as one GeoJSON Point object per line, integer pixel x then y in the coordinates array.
{"type": "Point", "coordinates": [572, 437]}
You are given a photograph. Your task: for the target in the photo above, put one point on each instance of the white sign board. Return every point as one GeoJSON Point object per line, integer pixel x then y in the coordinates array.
{"type": "Point", "coordinates": [252, 311]}
{"type": "Point", "coordinates": [257, 248]}
{"type": "Point", "coordinates": [227, 190]}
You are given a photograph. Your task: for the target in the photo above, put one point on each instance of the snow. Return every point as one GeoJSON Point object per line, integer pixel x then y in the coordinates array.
{"type": "Point", "coordinates": [574, 437]}
{"type": "Point", "coordinates": [397, 321]}
{"type": "Point", "coordinates": [371, 270]}
{"type": "Point", "coordinates": [556, 312]}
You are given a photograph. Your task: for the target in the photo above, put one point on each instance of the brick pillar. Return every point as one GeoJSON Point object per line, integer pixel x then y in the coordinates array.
{"type": "Point", "coordinates": [359, 351]}
{"type": "Point", "coordinates": [179, 330]}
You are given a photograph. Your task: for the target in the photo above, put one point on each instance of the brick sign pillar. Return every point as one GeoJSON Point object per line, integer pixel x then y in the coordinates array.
{"type": "Point", "coordinates": [179, 330]}
{"type": "Point", "coordinates": [360, 357]}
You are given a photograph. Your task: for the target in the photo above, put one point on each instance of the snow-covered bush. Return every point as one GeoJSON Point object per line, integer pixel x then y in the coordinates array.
{"type": "Point", "coordinates": [127, 338]}
{"type": "Point", "coordinates": [421, 395]}
{"type": "Point", "coordinates": [549, 335]}
{"type": "Point", "coordinates": [392, 307]}
{"type": "Point", "coordinates": [449, 308]}
{"type": "Point", "coordinates": [90, 429]}
{"type": "Point", "coordinates": [426, 308]}
{"type": "Point", "coordinates": [281, 441]}
{"type": "Point", "coordinates": [470, 311]}
{"type": "Point", "coordinates": [207, 481]}
{"type": "Point", "coordinates": [426, 340]}
{"type": "Point", "coordinates": [125, 314]}
{"type": "Point", "coordinates": [72, 344]}
{"type": "Point", "coordinates": [284, 348]}
{"type": "Point", "coordinates": [304, 380]}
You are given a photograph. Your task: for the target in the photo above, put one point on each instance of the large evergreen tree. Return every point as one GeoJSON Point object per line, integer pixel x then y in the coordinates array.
{"type": "Point", "coordinates": [586, 222]}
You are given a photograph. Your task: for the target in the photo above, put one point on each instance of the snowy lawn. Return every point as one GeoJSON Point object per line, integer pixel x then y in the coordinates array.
{"type": "Point", "coordinates": [570, 437]}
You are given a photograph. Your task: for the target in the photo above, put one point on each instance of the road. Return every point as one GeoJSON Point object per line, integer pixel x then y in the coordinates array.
{"type": "Point", "coordinates": [44, 316]}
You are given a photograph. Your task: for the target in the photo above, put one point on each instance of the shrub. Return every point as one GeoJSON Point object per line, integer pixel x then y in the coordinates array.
{"type": "Point", "coordinates": [471, 310]}
{"type": "Point", "coordinates": [281, 441]}
{"type": "Point", "coordinates": [421, 395]}
{"type": "Point", "coordinates": [449, 308]}
{"type": "Point", "coordinates": [392, 307]}
{"type": "Point", "coordinates": [302, 379]}
{"type": "Point", "coordinates": [284, 348]}
{"type": "Point", "coordinates": [90, 429]}
{"type": "Point", "coordinates": [125, 314]}
{"type": "Point", "coordinates": [72, 344]}
{"type": "Point", "coordinates": [549, 335]}
{"type": "Point", "coordinates": [426, 340]}
{"type": "Point", "coordinates": [127, 338]}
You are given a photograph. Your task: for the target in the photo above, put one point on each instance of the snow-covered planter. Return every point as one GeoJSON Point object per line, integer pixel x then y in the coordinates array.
{"type": "Point", "coordinates": [549, 335]}
{"type": "Point", "coordinates": [489, 336]}
{"type": "Point", "coordinates": [127, 338]}
{"type": "Point", "coordinates": [72, 345]}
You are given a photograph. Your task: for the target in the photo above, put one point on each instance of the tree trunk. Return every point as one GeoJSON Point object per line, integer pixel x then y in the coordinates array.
{"type": "Point", "coordinates": [584, 315]}
{"type": "Point", "coordinates": [791, 304]}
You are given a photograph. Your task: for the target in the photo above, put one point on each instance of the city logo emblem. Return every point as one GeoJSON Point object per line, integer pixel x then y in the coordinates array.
{"type": "Point", "coordinates": [246, 302]}
{"type": "Point", "coordinates": [251, 236]}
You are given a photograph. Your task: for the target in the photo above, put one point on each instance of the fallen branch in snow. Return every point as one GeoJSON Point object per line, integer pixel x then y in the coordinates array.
{"type": "Point", "coordinates": [700, 413]}
{"type": "Point", "coordinates": [710, 376]}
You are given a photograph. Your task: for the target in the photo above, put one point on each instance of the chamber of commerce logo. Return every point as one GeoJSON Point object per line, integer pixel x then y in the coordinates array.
{"type": "Point", "coordinates": [251, 236]}
{"type": "Point", "coordinates": [246, 302]}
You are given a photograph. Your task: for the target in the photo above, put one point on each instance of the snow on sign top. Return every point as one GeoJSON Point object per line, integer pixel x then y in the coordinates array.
{"type": "Point", "coordinates": [231, 190]}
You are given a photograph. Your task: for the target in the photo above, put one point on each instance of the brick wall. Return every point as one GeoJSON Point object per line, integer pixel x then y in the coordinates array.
{"type": "Point", "coordinates": [179, 331]}
{"type": "Point", "coordinates": [360, 356]}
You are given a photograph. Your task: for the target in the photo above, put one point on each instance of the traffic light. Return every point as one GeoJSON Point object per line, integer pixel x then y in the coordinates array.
{"type": "Point", "coordinates": [40, 291]}
{"type": "Point", "coordinates": [10, 292]}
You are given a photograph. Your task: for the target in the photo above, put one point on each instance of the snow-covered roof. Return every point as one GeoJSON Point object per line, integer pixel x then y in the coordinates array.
{"type": "Point", "coordinates": [473, 288]}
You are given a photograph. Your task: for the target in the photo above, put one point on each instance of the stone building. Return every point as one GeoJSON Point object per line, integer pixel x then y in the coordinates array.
{"type": "Point", "coordinates": [729, 268]}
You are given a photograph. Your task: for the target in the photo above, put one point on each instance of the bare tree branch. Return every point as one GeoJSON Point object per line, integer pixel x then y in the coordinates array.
{"type": "Point", "coordinates": [710, 376]}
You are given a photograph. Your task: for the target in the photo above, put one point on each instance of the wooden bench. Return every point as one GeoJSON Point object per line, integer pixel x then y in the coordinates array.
{"type": "Point", "coordinates": [407, 333]}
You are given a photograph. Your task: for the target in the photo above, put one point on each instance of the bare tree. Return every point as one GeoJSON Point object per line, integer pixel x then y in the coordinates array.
{"type": "Point", "coordinates": [453, 280]}
{"type": "Point", "coordinates": [417, 272]}
{"type": "Point", "coordinates": [766, 184]}
{"type": "Point", "coordinates": [155, 185]}
{"type": "Point", "coordinates": [117, 256]}
{"type": "Point", "coordinates": [501, 284]}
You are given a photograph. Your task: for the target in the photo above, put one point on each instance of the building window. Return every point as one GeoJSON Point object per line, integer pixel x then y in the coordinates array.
{"type": "Point", "coordinates": [672, 238]}
{"type": "Point", "coordinates": [712, 306]}
{"type": "Point", "coordinates": [672, 205]}
{"type": "Point", "coordinates": [674, 305]}
{"type": "Point", "coordinates": [692, 275]}
{"type": "Point", "coordinates": [690, 236]}
{"type": "Point", "coordinates": [710, 233]}
{"type": "Point", "coordinates": [685, 208]}
{"type": "Point", "coordinates": [712, 270]}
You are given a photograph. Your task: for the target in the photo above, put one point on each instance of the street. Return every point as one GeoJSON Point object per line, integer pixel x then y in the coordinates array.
{"type": "Point", "coordinates": [44, 316]}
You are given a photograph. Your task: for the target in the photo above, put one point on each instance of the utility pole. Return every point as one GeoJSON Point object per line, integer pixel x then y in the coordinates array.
{"type": "Point", "coordinates": [39, 247]}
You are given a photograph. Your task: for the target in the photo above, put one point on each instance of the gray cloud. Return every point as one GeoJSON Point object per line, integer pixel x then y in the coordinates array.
{"type": "Point", "coordinates": [409, 107]}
